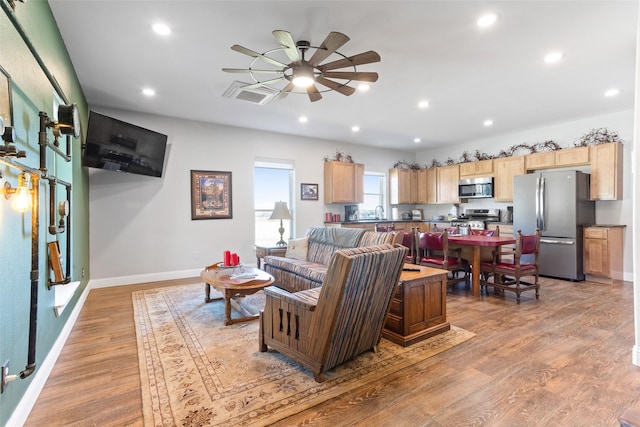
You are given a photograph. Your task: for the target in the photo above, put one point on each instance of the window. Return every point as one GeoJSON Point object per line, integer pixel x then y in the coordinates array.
{"type": "Point", "coordinates": [273, 182]}
{"type": "Point", "coordinates": [374, 191]}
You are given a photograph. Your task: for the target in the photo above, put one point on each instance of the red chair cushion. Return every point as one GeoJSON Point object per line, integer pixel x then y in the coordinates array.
{"type": "Point", "coordinates": [440, 261]}
{"type": "Point", "coordinates": [510, 267]}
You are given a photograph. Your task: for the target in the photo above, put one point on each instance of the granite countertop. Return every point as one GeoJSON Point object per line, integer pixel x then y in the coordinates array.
{"type": "Point", "coordinates": [606, 225]}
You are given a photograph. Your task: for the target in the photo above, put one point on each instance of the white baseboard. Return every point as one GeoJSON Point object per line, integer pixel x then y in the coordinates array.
{"type": "Point", "coordinates": [40, 376]}
{"type": "Point", "coordinates": [635, 355]}
{"type": "Point", "coordinates": [144, 278]}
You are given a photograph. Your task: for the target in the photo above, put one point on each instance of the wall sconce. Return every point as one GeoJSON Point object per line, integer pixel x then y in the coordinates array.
{"type": "Point", "coordinates": [21, 195]}
{"type": "Point", "coordinates": [68, 122]}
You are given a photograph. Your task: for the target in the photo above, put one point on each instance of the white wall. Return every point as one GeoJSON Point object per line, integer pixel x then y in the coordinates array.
{"type": "Point", "coordinates": [141, 227]}
{"type": "Point", "coordinates": [564, 134]}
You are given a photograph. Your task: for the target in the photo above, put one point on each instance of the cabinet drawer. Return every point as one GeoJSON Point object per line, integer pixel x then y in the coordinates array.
{"type": "Point", "coordinates": [393, 323]}
{"type": "Point", "coordinates": [396, 306]}
{"type": "Point", "coordinates": [596, 233]}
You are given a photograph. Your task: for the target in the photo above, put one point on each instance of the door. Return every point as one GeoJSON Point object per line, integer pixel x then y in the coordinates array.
{"type": "Point", "coordinates": [559, 204]}
{"type": "Point", "coordinates": [561, 257]}
{"type": "Point", "coordinates": [524, 202]}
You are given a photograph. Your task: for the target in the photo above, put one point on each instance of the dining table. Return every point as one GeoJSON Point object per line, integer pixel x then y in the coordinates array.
{"type": "Point", "coordinates": [477, 242]}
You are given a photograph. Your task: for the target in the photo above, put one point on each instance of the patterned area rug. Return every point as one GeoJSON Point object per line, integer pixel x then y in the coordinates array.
{"type": "Point", "coordinates": [197, 372]}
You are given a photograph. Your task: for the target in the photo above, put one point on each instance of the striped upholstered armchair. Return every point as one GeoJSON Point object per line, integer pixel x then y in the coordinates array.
{"type": "Point", "coordinates": [323, 327]}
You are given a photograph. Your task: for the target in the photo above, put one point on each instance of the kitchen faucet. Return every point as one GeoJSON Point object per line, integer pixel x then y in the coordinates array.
{"type": "Point", "coordinates": [375, 212]}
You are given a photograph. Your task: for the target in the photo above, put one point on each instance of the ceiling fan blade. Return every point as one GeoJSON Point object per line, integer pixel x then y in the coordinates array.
{"type": "Point", "coordinates": [360, 59]}
{"type": "Point", "coordinates": [349, 75]}
{"type": "Point", "coordinates": [330, 44]}
{"type": "Point", "coordinates": [258, 84]}
{"type": "Point", "coordinates": [286, 41]}
{"type": "Point", "coordinates": [250, 52]}
{"type": "Point", "coordinates": [313, 93]}
{"type": "Point", "coordinates": [284, 92]}
{"type": "Point", "coordinates": [251, 70]}
{"type": "Point", "coordinates": [341, 88]}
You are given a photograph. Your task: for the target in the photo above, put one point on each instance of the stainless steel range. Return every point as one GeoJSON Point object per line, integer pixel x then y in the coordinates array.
{"type": "Point", "coordinates": [476, 219]}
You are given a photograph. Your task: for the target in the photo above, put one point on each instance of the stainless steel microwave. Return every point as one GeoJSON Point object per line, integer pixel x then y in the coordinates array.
{"type": "Point", "coordinates": [475, 188]}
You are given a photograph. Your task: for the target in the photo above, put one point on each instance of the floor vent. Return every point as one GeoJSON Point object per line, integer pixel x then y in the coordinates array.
{"type": "Point", "coordinates": [257, 95]}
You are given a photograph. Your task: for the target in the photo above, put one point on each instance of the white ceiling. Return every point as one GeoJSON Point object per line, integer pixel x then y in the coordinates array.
{"type": "Point", "coordinates": [430, 50]}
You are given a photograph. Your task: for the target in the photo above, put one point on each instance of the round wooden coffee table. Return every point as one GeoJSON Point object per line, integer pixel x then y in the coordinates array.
{"type": "Point", "coordinates": [231, 286]}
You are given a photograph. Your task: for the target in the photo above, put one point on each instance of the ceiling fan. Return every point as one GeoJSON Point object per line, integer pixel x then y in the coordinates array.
{"type": "Point", "coordinates": [307, 73]}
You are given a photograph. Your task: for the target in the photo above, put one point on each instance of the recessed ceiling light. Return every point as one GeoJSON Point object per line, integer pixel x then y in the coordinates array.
{"type": "Point", "coordinates": [417, 140]}
{"type": "Point", "coordinates": [612, 92]}
{"type": "Point", "coordinates": [303, 119]}
{"type": "Point", "coordinates": [487, 20]}
{"type": "Point", "coordinates": [423, 104]}
{"type": "Point", "coordinates": [161, 29]}
{"type": "Point", "coordinates": [148, 91]}
{"type": "Point", "coordinates": [364, 87]}
{"type": "Point", "coordinates": [553, 57]}
{"type": "Point", "coordinates": [488, 122]}
{"type": "Point", "coordinates": [355, 128]}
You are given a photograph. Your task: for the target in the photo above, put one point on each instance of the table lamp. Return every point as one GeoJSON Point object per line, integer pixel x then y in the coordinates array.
{"type": "Point", "coordinates": [281, 211]}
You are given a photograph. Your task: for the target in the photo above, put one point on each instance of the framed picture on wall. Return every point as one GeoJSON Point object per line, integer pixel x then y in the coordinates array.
{"type": "Point", "coordinates": [211, 195]}
{"type": "Point", "coordinates": [308, 191]}
{"type": "Point", "coordinates": [5, 97]}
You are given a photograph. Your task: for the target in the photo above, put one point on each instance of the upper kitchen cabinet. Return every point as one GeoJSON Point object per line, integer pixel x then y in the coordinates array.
{"type": "Point", "coordinates": [505, 169]}
{"type": "Point", "coordinates": [578, 156]}
{"type": "Point", "coordinates": [403, 186]}
{"type": "Point", "coordinates": [606, 171]}
{"type": "Point", "coordinates": [448, 178]}
{"type": "Point", "coordinates": [481, 168]}
{"type": "Point", "coordinates": [343, 182]}
{"type": "Point", "coordinates": [423, 186]}
{"type": "Point", "coordinates": [432, 185]}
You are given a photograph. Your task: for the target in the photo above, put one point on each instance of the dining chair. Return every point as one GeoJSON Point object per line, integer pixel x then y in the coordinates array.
{"type": "Point", "coordinates": [408, 240]}
{"type": "Point", "coordinates": [507, 268]}
{"type": "Point", "coordinates": [433, 251]}
{"type": "Point", "coordinates": [384, 228]}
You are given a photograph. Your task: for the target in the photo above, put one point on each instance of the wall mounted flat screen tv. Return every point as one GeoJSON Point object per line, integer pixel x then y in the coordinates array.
{"type": "Point", "coordinates": [120, 146]}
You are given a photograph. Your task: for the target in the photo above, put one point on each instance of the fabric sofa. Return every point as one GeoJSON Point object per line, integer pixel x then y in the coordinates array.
{"type": "Point", "coordinates": [304, 266]}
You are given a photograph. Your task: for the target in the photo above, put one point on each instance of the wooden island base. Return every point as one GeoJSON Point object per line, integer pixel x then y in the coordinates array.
{"type": "Point", "coordinates": [419, 306]}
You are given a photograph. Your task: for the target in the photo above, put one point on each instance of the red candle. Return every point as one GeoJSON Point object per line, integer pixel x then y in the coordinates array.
{"type": "Point", "coordinates": [234, 259]}
{"type": "Point", "coordinates": [227, 257]}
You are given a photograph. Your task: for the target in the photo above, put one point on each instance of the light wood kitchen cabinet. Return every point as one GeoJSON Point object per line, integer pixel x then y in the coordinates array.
{"type": "Point", "coordinates": [505, 229]}
{"type": "Point", "coordinates": [403, 186]}
{"type": "Point", "coordinates": [603, 253]}
{"type": "Point", "coordinates": [422, 186]}
{"type": "Point", "coordinates": [544, 160]}
{"type": "Point", "coordinates": [432, 186]}
{"type": "Point", "coordinates": [343, 182]}
{"type": "Point", "coordinates": [578, 156]}
{"type": "Point", "coordinates": [447, 184]}
{"type": "Point", "coordinates": [480, 168]}
{"type": "Point", "coordinates": [505, 169]}
{"type": "Point", "coordinates": [606, 171]}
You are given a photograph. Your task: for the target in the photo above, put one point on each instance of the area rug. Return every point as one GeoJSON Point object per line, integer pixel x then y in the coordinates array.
{"type": "Point", "coordinates": [195, 371]}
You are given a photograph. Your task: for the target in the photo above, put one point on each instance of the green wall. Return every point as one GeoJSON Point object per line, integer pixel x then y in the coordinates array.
{"type": "Point", "coordinates": [32, 92]}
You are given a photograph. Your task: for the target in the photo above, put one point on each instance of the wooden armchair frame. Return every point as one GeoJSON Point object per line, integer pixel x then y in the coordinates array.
{"type": "Point", "coordinates": [323, 327]}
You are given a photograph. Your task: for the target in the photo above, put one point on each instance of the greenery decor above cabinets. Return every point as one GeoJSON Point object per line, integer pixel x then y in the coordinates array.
{"type": "Point", "coordinates": [343, 182]}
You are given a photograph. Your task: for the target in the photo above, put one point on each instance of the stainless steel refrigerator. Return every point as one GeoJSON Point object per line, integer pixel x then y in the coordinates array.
{"type": "Point", "coordinates": [558, 203]}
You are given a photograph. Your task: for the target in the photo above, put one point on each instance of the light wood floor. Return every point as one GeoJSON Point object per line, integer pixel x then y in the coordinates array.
{"type": "Point", "coordinates": [564, 360]}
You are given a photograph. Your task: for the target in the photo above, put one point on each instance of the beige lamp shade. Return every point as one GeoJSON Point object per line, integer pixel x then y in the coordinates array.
{"type": "Point", "coordinates": [280, 211]}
